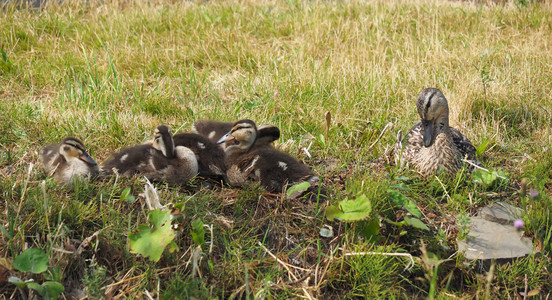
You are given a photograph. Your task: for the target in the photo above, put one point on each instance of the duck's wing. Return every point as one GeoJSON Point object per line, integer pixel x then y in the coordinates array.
{"type": "Point", "coordinates": [50, 157]}
{"type": "Point", "coordinates": [463, 144]}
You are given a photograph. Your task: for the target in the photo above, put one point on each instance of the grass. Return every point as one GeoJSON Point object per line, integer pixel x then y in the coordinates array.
{"type": "Point", "coordinates": [109, 72]}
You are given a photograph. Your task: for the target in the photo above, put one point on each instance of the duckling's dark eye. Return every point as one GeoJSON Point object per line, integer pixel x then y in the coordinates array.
{"type": "Point", "coordinates": [66, 148]}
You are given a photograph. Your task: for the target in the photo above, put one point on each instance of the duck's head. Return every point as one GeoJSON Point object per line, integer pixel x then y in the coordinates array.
{"type": "Point", "coordinates": [72, 148]}
{"type": "Point", "coordinates": [163, 141]}
{"type": "Point", "coordinates": [242, 136]}
{"type": "Point", "coordinates": [433, 110]}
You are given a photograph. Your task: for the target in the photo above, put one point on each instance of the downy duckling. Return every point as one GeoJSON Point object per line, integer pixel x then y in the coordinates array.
{"type": "Point", "coordinates": [214, 130]}
{"type": "Point", "coordinates": [432, 144]}
{"type": "Point", "coordinates": [68, 160]}
{"type": "Point", "coordinates": [158, 160]}
{"type": "Point", "coordinates": [245, 163]}
{"type": "Point", "coordinates": [209, 155]}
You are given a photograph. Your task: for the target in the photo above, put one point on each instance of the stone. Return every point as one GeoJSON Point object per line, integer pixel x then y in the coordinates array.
{"type": "Point", "coordinates": [501, 212]}
{"type": "Point", "coordinates": [491, 240]}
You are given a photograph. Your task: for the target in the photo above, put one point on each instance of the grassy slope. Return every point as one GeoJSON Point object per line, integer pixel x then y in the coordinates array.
{"type": "Point", "coordinates": [109, 73]}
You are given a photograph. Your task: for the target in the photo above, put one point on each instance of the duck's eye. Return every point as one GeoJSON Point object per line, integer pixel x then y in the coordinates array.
{"type": "Point", "coordinates": [66, 148]}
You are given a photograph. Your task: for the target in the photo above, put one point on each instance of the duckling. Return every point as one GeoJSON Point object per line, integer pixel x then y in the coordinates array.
{"type": "Point", "coordinates": [245, 163]}
{"type": "Point", "coordinates": [157, 160]}
{"type": "Point", "coordinates": [214, 130]}
{"type": "Point", "coordinates": [68, 160]}
{"type": "Point", "coordinates": [431, 144]}
{"type": "Point", "coordinates": [209, 155]}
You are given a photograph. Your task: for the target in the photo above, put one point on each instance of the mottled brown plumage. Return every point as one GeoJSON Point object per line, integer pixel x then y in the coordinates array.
{"type": "Point", "coordinates": [68, 160]}
{"type": "Point", "coordinates": [158, 160]}
{"type": "Point", "coordinates": [246, 164]}
{"type": "Point", "coordinates": [432, 144]}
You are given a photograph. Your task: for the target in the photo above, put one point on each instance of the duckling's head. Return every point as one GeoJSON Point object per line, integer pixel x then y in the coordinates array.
{"type": "Point", "coordinates": [242, 136]}
{"type": "Point", "coordinates": [72, 148]}
{"type": "Point", "coordinates": [433, 110]}
{"type": "Point", "coordinates": [163, 141]}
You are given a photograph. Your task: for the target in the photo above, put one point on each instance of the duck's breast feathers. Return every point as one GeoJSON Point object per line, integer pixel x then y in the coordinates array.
{"type": "Point", "coordinates": [463, 144]}
{"type": "Point", "coordinates": [415, 137]}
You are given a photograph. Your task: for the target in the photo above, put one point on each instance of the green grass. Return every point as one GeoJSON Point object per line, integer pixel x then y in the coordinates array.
{"type": "Point", "coordinates": [109, 73]}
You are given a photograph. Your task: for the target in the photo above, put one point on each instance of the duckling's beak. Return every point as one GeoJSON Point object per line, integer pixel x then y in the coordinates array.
{"type": "Point", "coordinates": [87, 159]}
{"type": "Point", "coordinates": [226, 138]}
{"type": "Point", "coordinates": [428, 132]}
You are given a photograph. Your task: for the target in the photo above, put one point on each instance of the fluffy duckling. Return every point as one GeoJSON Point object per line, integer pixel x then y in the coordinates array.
{"type": "Point", "coordinates": [209, 155]}
{"type": "Point", "coordinates": [432, 144]}
{"type": "Point", "coordinates": [158, 160]}
{"type": "Point", "coordinates": [245, 163]}
{"type": "Point", "coordinates": [214, 130]}
{"type": "Point", "coordinates": [68, 160]}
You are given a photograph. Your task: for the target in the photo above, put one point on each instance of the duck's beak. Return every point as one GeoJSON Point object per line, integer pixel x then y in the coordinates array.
{"type": "Point", "coordinates": [226, 138]}
{"type": "Point", "coordinates": [428, 132]}
{"type": "Point", "coordinates": [87, 159]}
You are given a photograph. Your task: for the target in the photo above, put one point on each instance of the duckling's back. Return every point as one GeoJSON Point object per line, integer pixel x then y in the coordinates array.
{"type": "Point", "coordinates": [209, 155]}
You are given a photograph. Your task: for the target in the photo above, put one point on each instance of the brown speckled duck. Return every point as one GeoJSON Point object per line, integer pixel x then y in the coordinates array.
{"type": "Point", "coordinates": [214, 130]}
{"type": "Point", "coordinates": [68, 160]}
{"type": "Point", "coordinates": [432, 144]}
{"type": "Point", "coordinates": [158, 160]}
{"type": "Point", "coordinates": [246, 164]}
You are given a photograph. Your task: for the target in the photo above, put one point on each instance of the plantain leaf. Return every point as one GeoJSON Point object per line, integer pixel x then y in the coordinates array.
{"type": "Point", "coordinates": [297, 189]}
{"type": "Point", "coordinates": [415, 222]}
{"type": "Point", "coordinates": [198, 233]}
{"type": "Point", "coordinates": [31, 260]}
{"type": "Point", "coordinates": [350, 210]}
{"type": "Point", "coordinates": [401, 200]}
{"type": "Point", "coordinates": [150, 241]}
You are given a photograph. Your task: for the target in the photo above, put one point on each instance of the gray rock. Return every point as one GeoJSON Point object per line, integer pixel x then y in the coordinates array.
{"type": "Point", "coordinates": [500, 212]}
{"type": "Point", "coordinates": [492, 240]}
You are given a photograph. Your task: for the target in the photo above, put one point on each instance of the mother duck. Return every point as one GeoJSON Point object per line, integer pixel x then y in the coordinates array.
{"type": "Point", "coordinates": [432, 144]}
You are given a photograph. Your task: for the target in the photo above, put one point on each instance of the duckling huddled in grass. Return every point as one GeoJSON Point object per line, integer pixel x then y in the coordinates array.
{"type": "Point", "coordinates": [214, 130]}
{"type": "Point", "coordinates": [432, 144]}
{"type": "Point", "coordinates": [159, 160]}
{"type": "Point", "coordinates": [68, 160]}
{"type": "Point", "coordinates": [246, 164]}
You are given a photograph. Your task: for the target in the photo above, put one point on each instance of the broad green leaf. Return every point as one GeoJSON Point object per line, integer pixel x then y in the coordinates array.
{"type": "Point", "coordinates": [48, 290]}
{"type": "Point", "coordinates": [297, 189]}
{"type": "Point", "coordinates": [53, 289]}
{"type": "Point", "coordinates": [150, 241]}
{"type": "Point", "coordinates": [130, 199]}
{"type": "Point", "coordinates": [401, 200]}
{"type": "Point", "coordinates": [198, 232]}
{"type": "Point", "coordinates": [31, 260]}
{"type": "Point", "coordinates": [332, 212]}
{"type": "Point", "coordinates": [124, 194]}
{"type": "Point", "coordinates": [415, 222]}
{"type": "Point", "coordinates": [37, 287]}
{"type": "Point", "coordinates": [484, 177]}
{"type": "Point", "coordinates": [18, 282]}
{"type": "Point", "coordinates": [370, 230]}
{"type": "Point", "coordinates": [350, 210]}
